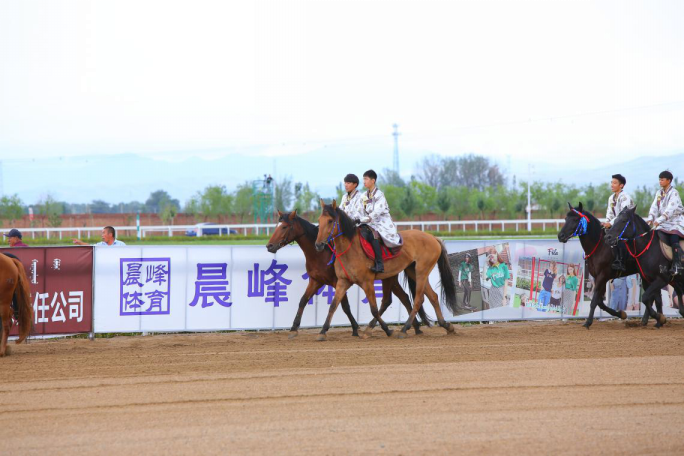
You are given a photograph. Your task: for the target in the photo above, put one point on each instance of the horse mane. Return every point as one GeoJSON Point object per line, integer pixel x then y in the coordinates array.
{"type": "Point", "coordinates": [347, 225]}
{"type": "Point", "coordinates": [310, 230]}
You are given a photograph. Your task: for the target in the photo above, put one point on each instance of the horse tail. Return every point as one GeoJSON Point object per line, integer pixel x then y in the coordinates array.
{"type": "Point", "coordinates": [447, 279]}
{"type": "Point", "coordinates": [408, 281]}
{"type": "Point", "coordinates": [22, 295]}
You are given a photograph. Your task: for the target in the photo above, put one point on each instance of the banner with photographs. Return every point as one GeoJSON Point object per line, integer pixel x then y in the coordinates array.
{"type": "Point", "coordinates": [536, 279]}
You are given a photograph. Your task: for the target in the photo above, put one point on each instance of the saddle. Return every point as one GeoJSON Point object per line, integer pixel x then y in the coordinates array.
{"type": "Point", "coordinates": [387, 253]}
{"type": "Point", "coordinates": [665, 247]}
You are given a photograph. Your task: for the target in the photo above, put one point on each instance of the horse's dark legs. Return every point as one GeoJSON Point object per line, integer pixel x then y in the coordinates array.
{"type": "Point", "coordinates": [652, 294]}
{"type": "Point", "coordinates": [389, 287]}
{"type": "Point", "coordinates": [308, 293]}
{"type": "Point", "coordinates": [369, 289]}
{"type": "Point", "coordinates": [340, 291]}
{"type": "Point", "coordinates": [597, 300]}
{"type": "Point", "coordinates": [352, 320]}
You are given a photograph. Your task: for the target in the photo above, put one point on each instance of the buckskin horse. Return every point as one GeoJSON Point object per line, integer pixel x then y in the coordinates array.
{"type": "Point", "coordinates": [14, 285]}
{"type": "Point", "coordinates": [292, 228]}
{"type": "Point", "coordinates": [419, 255]}
{"type": "Point", "coordinates": [651, 258]}
{"type": "Point", "coordinates": [598, 256]}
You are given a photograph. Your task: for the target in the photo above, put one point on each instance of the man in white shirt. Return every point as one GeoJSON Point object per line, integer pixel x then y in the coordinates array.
{"type": "Point", "coordinates": [618, 201]}
{"type": "Point", "coordinates": [108, 238]}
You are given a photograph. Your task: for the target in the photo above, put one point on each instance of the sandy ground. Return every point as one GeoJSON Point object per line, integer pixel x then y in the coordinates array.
{"type": "Point", "coordinates": [509, 388]}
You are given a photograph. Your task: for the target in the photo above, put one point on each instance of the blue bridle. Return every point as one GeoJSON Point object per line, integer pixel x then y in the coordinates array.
{"type": "Point", "coordinates": [331, 241]}
{"type": "Point", "coordinates": [582, 226]}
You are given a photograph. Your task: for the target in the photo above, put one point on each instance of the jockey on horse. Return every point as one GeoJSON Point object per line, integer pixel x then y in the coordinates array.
{"type": "Point", "coordinates": [351, 201]}
{"type": "Point", "coordinates": [376, 221]}
{"type": "Point", "coordinates": [618, 201]}
{"type": "Point", "coordinates": [667, 216]}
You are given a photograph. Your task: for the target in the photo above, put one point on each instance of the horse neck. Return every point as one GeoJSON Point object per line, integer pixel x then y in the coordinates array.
{"type": "Point", "coordinates": [592, 237]}
{"type": "Point", "coordinates": [342, 243]}
{"type": "Point", "coordinates": [308, 246]}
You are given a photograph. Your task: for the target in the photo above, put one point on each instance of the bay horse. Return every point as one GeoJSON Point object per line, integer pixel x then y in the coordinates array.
{"type": "Point", "coordinates": [419, 255]}
{"type": "Point", "coordinates": [14, 285]}
{"type": "Point", "coordinates": [598, 256]}
{"type": "Point", "coordinates": [292, 228]}
{"type": "Point", "coordinates": [643, 245]}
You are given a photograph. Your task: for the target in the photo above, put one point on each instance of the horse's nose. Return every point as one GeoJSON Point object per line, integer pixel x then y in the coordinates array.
{"type": "Point", "coordinates": [320, 246]}
{"type": "Point", "coordinates": [269, 247]}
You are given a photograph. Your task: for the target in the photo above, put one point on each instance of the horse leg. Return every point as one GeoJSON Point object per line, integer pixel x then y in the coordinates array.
{"type": "Point", "coordinates": [406, 301]}
{"type": "Point", "coordinates": [421, 281]}
{"type": "Point", "coordinates": [348, 312]}
{"type": "Point", "coordinates": [434, 300]}
{"type": "Point", "coordinates": [311, 288]}
{"type": "Point", "coordinates": [653, 294]}
{"type": "Point", "coordinates": [596, 300]}
{"type": "Point", "coordinates": [386, 302]}
{"type": "Point", "coordinates": [370, 294]}
{"type": "Point", "coordinates": [6, 319]}
{"type": "Point", "coordinates": [340, 291]}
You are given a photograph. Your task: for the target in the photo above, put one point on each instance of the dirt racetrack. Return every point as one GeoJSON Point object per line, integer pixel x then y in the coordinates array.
{"type": "Point", "coordinates": [508, 388]}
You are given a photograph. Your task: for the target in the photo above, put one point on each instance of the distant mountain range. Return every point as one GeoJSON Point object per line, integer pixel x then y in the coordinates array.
{"type": "Point", "coordinates": [116, 178]}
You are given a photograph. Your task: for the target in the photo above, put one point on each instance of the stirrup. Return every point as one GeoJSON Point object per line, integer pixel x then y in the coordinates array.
{"type": "Point", "coordinates": [378, 267]}
{"type": "Point", "coordinates": [676, 269]}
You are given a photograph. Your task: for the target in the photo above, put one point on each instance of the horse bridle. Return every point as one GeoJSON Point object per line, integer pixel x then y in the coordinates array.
{"type": "Point", "coordinates": [285, 242]}
{"type": "Point", "coordinates": [581, 228]}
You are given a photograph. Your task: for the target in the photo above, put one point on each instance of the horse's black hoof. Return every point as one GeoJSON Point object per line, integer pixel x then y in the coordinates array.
{"type": "Point", "coordinates": [587, 325]}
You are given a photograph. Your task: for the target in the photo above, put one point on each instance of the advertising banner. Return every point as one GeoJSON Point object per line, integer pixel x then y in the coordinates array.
{"type": "Point", "coordinates": [61, 281]}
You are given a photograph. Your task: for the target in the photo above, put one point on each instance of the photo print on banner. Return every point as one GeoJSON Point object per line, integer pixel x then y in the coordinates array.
{"type": "Point", "coordinates": [549, 281]}
{"type": "Point", "coordinates": [483, 278]}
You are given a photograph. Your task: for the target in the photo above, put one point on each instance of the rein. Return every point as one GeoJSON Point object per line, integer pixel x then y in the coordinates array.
{"type": "Point", "coordinates": [331, 245]}
{"type": "Point", "coordinates": [634, 239]}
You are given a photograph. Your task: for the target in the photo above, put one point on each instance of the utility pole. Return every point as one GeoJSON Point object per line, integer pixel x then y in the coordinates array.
{"type": "Point", "coordinates": [396, 148]}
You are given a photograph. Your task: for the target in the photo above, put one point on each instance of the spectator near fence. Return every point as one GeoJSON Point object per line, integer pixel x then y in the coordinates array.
{"type": "Point", "coordinates": [108, 238]}
{"type": "Point", "coordinates": [14, 238]}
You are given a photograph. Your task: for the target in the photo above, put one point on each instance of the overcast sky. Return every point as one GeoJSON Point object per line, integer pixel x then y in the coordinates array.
{"type": "Point", "coordinates": [536, 80]}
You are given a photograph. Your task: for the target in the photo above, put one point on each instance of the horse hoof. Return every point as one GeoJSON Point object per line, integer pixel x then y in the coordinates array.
{"type": "Point", "coordinates": [419, 332]}
{"type": "Point", "coordinates": [451, 329]}
{"type": "Point", "coordinates": [355, 334]}
{"type": "Point", "coordinates": [661, 319]}
{"type": "Point", "coordinates": [399, 335]}
{"type": "Point", "coordinates": [587, 325]}
{"type": "Point", "coordinates": [364, 336]}
{"type": "Point", "coordinates": [623, 315]}
{"type": "Point", "coordinates": [390, 332]}
{"type": "Point", "coordinates": [293, 334]}
{"type": "Point", "coordinates": [658, 325]}
{"type": "Point", "coordinates": [321, 337]}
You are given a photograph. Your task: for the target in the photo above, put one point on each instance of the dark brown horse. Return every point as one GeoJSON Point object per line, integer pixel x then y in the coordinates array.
{"type": "Point", "coordinates": [599, 257]}
{"type": "Point", "coordinates": [292, 228]}
{"type": "Point", "coordinates": [643, 246]}
{"type": "Point", "coordinates": [14, 285]}
{"type": "Point", "coordinates": [420, 253]}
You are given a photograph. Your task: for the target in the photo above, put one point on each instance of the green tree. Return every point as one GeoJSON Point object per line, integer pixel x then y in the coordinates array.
{"type": "Point", "coordinates": [158, 200]}
{"type": "Point", "coordinates": [284, 194]}
{"type": "Point", "coordinates": [243, 201]}
{"type": "Point", "coordinates": [305, 198]}
{"type": "Point", "coordinates": [51, 211]}
{"type": "Point", "coordinates": [408, 202]}
{"type": "Point", "coordinates": [443, 202]}
{"type": "Point", "coordinates": [11, 208]}
{"type": "Point", "coordinates": [168, 214]}
{"type": "Point", "coordinates": [214, 202]}
{"type": "Point", "coordinates": [425, 195]}
{"type": "Point", "coordinates": [394, 196]}
{"type": "Point", "coordinates": [389, 177]}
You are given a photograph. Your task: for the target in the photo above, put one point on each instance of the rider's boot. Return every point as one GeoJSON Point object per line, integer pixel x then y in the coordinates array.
{"type": "Point", "coordinates": [618, 262]}
{"type": "Point", "coordinates": [379, 266]}
{"type": "Point", "coordinates": [676, 268]}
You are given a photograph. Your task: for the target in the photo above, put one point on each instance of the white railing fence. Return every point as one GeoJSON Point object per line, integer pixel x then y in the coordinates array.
{"type": "Point", "coordinates": [475, 226]}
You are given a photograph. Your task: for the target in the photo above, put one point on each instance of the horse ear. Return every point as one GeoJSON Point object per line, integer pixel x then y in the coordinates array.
{"type": "Point", "coordinates": [580, 206]}
{"type": "Point", "coordinates": [293, 214]}
{"type": "Point", "coordinates": [334, 204]}
{"type": "Point", "coordinates": [280, 214]}
{"type": "Point", "coordinates": [570, 205]}
{"type": "Point", "coordinates": [322, 204]}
